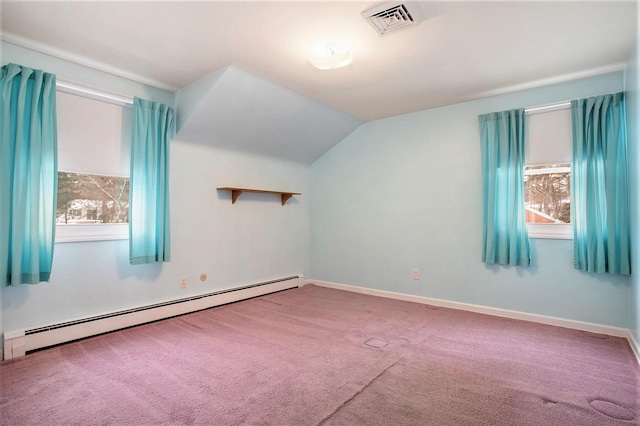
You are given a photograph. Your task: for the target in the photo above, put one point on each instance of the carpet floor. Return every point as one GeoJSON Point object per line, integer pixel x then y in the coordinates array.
{"type": "Point", "coordinates": [320, 356]}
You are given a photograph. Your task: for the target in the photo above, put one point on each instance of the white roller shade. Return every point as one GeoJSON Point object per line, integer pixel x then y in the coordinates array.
{"type": "Point", "coordinates": [548, 137]}
{"type": "Point", "coordinates": [93, 136]}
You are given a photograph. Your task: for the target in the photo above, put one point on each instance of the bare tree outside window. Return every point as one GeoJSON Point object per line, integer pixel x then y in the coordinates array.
{"type": "Point", "coordinates": [547, 191]}
{"type": "Point", "coordinates": [86, 198]}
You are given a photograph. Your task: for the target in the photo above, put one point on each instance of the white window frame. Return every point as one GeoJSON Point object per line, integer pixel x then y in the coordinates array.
{"type": "Point", "coordinates": [98, 231]}
{"type": "Point", "coordinates": [76, 233]}
{"type": "Point", "coordinates": [91, 232]}
{"type": "Point", "coordinates": [556, 231]}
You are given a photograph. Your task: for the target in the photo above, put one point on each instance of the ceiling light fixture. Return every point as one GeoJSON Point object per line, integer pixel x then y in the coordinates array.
{"type": "Point", "coordinates": [329, 56]}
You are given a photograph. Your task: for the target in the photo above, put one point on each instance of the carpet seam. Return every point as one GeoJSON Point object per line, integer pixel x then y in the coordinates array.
{"type": "Point", "coordinates": [359, 392]}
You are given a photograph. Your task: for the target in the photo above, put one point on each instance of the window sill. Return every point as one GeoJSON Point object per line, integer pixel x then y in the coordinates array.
{"type": "Point", "coordinates": [555, 231]}
{"type": "Point", "coordinates": [92, 232]}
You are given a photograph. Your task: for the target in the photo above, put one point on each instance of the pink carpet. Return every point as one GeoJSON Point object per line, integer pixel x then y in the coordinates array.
{"type": "Point", "coordinates": [315, 355]}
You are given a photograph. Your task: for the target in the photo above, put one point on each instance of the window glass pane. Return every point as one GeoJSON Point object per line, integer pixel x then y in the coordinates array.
{"type": "Point", "coordinates": [547, 192]}
{"type": "Point", "coordinates": [86, 198]}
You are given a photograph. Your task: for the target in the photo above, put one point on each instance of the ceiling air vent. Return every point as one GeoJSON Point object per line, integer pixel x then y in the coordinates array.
{"type": "Point", "coordinates": [391, 17]}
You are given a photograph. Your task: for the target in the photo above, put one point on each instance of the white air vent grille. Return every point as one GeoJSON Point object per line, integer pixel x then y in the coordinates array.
{"type": "Point", "coordinates": [391, 17]}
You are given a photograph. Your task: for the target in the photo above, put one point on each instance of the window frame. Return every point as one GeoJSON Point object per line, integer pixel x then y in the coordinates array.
{"type": "Point", "coordinates": [76, 233]}
{"type": "Point", "coordinates": [66, 233]}
{"type": "Point", "coordinates": [555, 231]}
{"type": "Point", "coordinates": [91, 232]}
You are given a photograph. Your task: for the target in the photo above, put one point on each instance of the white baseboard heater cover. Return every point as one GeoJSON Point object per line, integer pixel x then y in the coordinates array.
{"type": "Point", "coordinates": [19, 342]}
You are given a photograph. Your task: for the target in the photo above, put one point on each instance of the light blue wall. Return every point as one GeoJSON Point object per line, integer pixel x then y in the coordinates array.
{"type": "Point", "coordinates": [253, 240]}
{"type": "Point", "coordinates": [405, 192]}
{"type": "Point", "coordinates": [397, 194]}
{"type": "Point", "coordinates": [632, 85]}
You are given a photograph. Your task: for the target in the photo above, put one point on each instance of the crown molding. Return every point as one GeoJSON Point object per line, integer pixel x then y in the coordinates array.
{"type": "Point", "coordinates": [58, 53]}
{"type": "Point", "coordinates": [593, 72]}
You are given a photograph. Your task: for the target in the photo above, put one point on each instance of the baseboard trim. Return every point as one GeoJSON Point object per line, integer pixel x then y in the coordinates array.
{"type": "Point", "coordinates": [635, 347]}
{"type": "Point", "coordinates": [542, 319]}
{"type": "Point", "coordinates": [19, 342]}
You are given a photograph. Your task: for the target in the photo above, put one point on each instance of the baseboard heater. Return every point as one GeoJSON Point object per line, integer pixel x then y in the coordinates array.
{"type": "Point", "coordinates": [19, 342]}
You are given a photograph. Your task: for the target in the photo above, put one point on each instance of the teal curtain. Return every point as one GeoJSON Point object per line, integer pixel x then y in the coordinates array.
{"type": "Point", "coordinates": [28, 174]}
{"type": "Point", "coordinates": [505, 239]}
{"type": "Point", "coordinates": [149, 239]}
{"type": "Point", "coordinates": [599, 188]}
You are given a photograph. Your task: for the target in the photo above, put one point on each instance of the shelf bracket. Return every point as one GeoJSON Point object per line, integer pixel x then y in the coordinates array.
{"type": "Point", "coordinates": [235, 193]}
{"type": "Point", "coordinates": [285, 197]}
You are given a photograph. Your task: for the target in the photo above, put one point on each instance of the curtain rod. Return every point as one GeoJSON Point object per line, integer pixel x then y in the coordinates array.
{"type": "Point", "coordinates": [69, 87]}
{"type": "Point", "coordinates": [548, 108]}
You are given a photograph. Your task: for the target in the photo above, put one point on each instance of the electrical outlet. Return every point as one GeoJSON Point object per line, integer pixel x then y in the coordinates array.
{"type": "Point", "coordinates": [183, 282]}
{"type": "Point", "coordinates": [416, 274]}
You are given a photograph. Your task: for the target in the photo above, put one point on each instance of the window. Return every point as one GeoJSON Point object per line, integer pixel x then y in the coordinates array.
{"type": "Point", "coordinates": [547, 174]}
{"type": "Point", "coordinates": [94, 139]}
{"type": "Point", "coordinates": [84, 198]}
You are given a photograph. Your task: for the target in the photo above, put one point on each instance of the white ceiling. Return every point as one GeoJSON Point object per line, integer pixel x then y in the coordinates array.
{"type": "Point", "coordinates": [460, 51]}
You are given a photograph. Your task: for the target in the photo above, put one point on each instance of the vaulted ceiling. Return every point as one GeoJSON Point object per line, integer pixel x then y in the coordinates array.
{"type": "Point", "coordinates": [237, 110]}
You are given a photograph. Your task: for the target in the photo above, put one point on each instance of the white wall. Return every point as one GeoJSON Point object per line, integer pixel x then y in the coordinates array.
{"type": "Point", "coordinates": [253, 240]}
{"type": "Point", "coordinates": [405, 192]}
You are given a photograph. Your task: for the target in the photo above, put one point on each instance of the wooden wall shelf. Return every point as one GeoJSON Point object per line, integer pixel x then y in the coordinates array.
{"type": "Point", "coordinates": [236, 192]}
